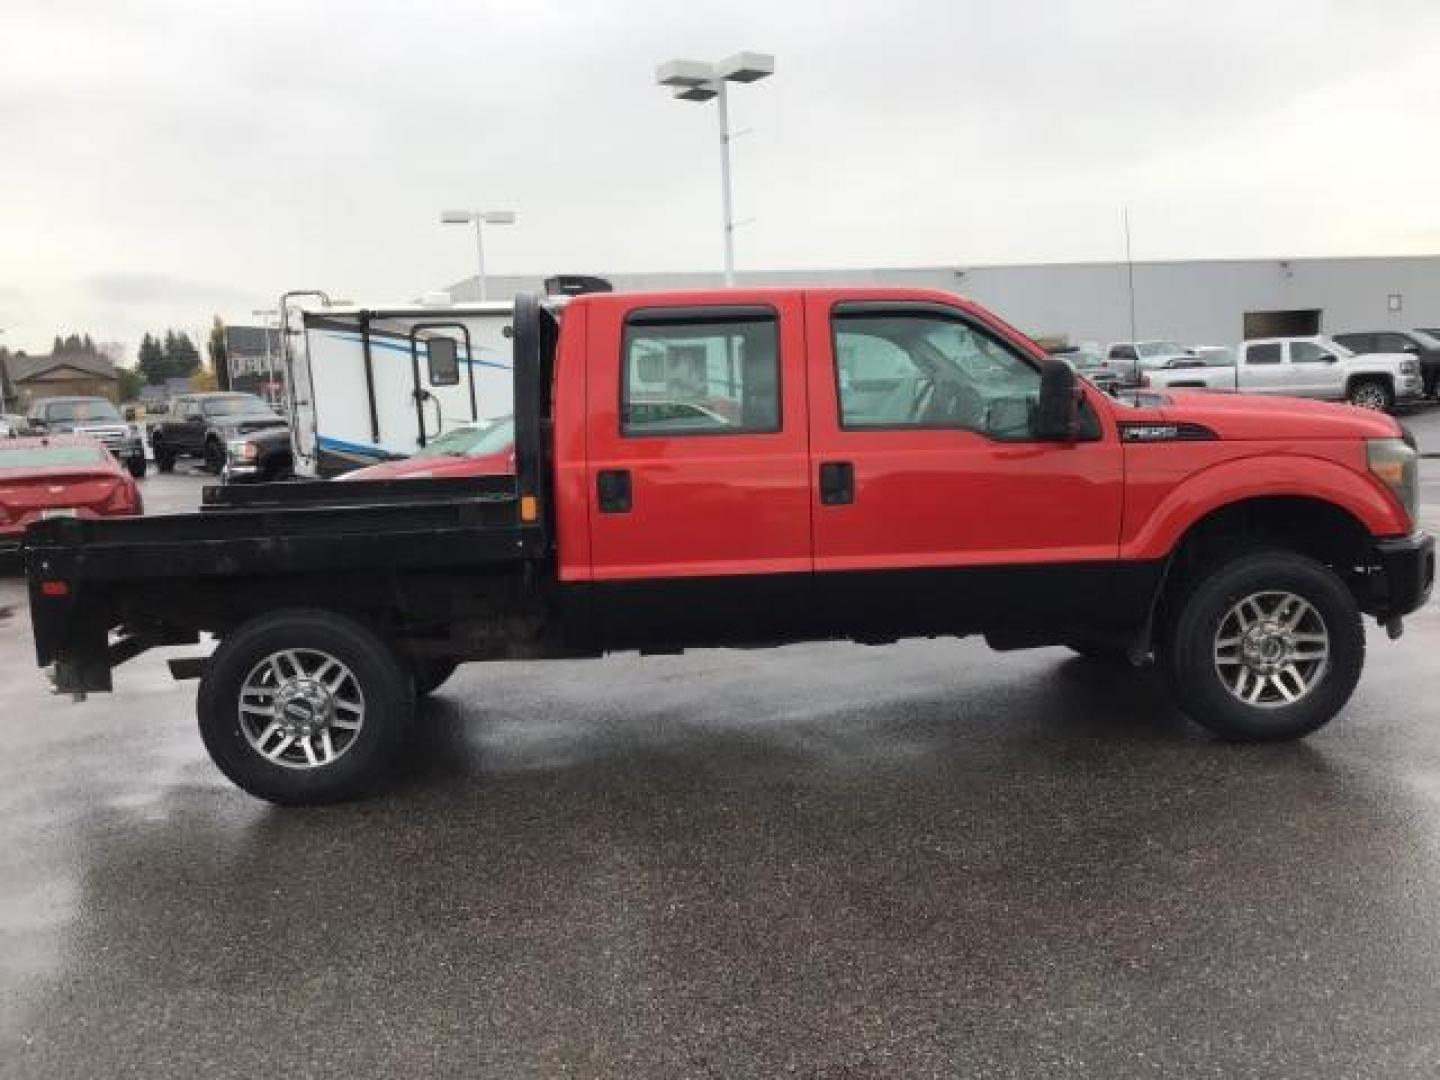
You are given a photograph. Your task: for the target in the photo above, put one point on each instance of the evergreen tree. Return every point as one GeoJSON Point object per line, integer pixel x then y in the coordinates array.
{"type": "Point", "coordinates": [57, 346]}
{"type": "Point", "coordinates": [180, 353]}
{"type": "Point", "coordinates": [152, 362]}
{"type": "Point", "coordinates": [219, 359]}
{"type": "Point", "coordinates": [72, 344]}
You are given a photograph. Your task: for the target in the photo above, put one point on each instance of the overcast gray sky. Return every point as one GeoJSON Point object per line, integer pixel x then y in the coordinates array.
{"type": "Point", "coordinates": [165, 160]}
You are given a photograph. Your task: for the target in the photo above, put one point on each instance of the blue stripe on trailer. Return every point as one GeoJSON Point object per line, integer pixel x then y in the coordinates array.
{"type": "Point", "coordinates": [379, 343]}
{"type": "Point", "coordinates": [327, 442]}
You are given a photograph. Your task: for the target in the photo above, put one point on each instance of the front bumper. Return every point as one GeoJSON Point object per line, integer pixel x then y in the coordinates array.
{"type": "Point", "coordinates": [1407, 566]}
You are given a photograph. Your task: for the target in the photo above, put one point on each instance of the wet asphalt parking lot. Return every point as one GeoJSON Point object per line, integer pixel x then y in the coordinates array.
{"type": "Point", "coordinates": [823, 861]}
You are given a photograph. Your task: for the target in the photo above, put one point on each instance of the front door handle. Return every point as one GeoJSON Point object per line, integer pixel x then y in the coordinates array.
{"type": "Point", "coordinates": [837, 483]}
{"type": "Point", "coordinates": [612, 486]}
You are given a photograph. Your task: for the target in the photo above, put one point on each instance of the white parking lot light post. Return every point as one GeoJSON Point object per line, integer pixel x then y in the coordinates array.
{"type": "Point", "coordinates": [693, 80]}
{"type": "Point", "coordinates": [481, 218]}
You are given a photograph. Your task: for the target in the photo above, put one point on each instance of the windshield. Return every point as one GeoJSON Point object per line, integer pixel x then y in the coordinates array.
{"type": "Point", "coordinates": [1159, 348]}
{"type": "Point", "coordinates": [1334, 346]}
{"type": "Point", "coordinates": [239, 405]}
{"type": "Point", "coordinates": [80, 411]}
{"type": "Point", "coordinates": [1426, 338]}
{"type": "Point", "coordinates": [36, 457]}
{"type": "Point", "coordinates": [1216, 356]}
{"type": "Point", "coordinates": [474, 440]}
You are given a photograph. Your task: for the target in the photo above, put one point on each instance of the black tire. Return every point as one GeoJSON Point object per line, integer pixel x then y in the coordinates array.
{"type": "Point", "coordinates": [1188, 648]}
{"type": "Point", "coordinates": [136, 467]}
{"type": "Point", "coordinates": [382, 679]}
{"type": "Point", "coordinates": [164, 460]}
{"type": "Point", "coordinates": [1374, 394]}
{"type": "Point", "coordinates": [214, 456]}
{"type": "Point", "coordinates": [430, 675]}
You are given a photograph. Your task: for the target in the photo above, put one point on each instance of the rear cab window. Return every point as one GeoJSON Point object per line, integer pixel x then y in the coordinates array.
{"type": "Point", "coordinates": [1266, 353]}
{"type": "Point", "coordinates": [699, 372]}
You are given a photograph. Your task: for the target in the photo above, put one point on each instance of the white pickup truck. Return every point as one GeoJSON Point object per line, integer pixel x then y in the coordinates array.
{"type": "Point", "coordinates": [1309, 367]}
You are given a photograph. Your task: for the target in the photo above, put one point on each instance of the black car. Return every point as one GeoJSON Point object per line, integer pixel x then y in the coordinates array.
{"type": "Point", "coordinates": [1421, 344]}
{"type": "Point", "coordinates": [200, 425]}
{"type": "Point", "coordinates": [93, 416]}
{"type": "Point", "coordinates": [260, 457]}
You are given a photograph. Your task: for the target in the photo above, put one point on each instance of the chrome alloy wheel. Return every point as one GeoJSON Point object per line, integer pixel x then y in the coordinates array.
{"type": "Point", "coordinates": [1369, 396]}
{"type": "Point", "coordinates": [301, 708]}
{"type": "Point", "coordinates": [1272, 649]}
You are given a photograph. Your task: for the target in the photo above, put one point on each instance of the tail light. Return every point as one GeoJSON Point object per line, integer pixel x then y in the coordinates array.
{"type": "Point", "coordinates": [122, 500]}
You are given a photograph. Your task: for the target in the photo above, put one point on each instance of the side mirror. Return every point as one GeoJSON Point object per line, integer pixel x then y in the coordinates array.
{"type": "Point", "coordinates": [1057, 416]}
{"type": "Point", "coordinates": [1328, 358]}
{"type": "Point", "coordinates": [1411, 348]}
{"type": "Point", "coordinates": [36, 424]}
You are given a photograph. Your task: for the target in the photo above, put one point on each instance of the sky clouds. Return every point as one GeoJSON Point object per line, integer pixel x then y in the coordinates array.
{"type": "Point", "coordinates": [164, 161]}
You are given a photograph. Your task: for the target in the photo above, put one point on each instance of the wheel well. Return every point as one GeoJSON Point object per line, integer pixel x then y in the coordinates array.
{"type": "Point", "coordinates": [1312, 527]}
{"type": "Point", "coordinates": [1375, 376]}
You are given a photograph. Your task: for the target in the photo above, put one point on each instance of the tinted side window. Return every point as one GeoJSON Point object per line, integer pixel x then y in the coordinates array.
{"type": "Point", "coordinates": [1306, 352]}
{"type": "Point", "coordinates": [1357, 343]}
{"type": "Point", "coordinates": [1392, 343]}
{"type": "Point", "coordinates": [695, 373]}
{"type": "Point", "coordinates": [1122, 352]}
{"type": "Point", "coordinates": [1263, 354]}
{"type": "Point", "coordinates": [928, 370]}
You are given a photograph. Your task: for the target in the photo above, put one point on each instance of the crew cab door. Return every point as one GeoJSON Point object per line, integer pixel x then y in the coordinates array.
{"type": "Point", "coordinates": [698, 477]}
{"type": "Point", "coordinates": [935, 509]}
{"type": "Point", "coordinates": [1314, 370]}
{"type": "Point", "coordinates": [1262, 368]}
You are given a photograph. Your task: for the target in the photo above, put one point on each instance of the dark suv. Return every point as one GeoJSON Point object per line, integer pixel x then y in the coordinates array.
{"type": "Point", "coordinates": [200, 425]}
{"type": "Point", "coordinates": [93, 416]}
{"type": "Point", "coordinates": [1421, 344]}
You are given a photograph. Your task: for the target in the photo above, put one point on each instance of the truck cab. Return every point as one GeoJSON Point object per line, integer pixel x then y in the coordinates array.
{"type": "Point", "coordinates": [755, 467]}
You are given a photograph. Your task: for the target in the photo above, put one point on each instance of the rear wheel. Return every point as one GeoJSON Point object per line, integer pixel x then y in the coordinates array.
{"type": "Point", "coordinates": [214, 456]}
{"type": "Point", "coordinates": [1374, 394]}
{"type": "Point", "coordinates": [1267, 646]}
{"type": "Point", "coordinates": [136, 467]}
{"type": "Point", "coordinates": [304, 707]}
{"type": "Point", "coordinates": [164, 459]}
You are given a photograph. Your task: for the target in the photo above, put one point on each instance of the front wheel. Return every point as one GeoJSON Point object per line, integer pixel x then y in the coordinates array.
{"type": "Point", "coordinates": [304, 707]}
{"type": "Point", "coordinates": [1268, 646]}
{"type": "Point", "coordinates": [136, 467]}
{"type": "Point", "coordinates": [1373, 394]}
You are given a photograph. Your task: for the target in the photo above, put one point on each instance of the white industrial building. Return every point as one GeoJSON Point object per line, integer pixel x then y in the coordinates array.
{"type": "Point", "coordinates": [1217, 301]}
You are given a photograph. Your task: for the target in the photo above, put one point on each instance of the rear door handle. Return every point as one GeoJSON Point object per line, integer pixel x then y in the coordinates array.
{"type": "Point", "coordinates": [612, 486]}
{"type": "Point", "coordinates": [837, 483]}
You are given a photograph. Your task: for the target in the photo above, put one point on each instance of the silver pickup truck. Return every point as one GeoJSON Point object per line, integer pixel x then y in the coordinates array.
{"type": "Point", "coordinates": [1309, 367]}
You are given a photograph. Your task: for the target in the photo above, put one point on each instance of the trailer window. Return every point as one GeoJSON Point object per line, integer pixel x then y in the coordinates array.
{"type": "Point", "coordinates": [701, 375]}
{"type": "Point", "coordinates": [444, 361]}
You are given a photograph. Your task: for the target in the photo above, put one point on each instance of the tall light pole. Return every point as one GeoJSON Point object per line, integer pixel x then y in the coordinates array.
{"type": "Point", "coordinates": [693, 80]}
{"type": "Point", "coordinates": [481, 218]}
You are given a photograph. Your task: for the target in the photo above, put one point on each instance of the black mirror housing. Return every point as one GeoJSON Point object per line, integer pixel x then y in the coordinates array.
{"type": "Point", "coordinates": [1057, 415]}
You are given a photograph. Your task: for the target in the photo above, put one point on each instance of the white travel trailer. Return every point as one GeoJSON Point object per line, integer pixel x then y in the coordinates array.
{"type": "Point", "coordinates": [372, 384]}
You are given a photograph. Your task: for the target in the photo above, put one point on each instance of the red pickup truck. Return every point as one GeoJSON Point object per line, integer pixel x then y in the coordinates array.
{"type": "Point", "coordinates": [761, 466]}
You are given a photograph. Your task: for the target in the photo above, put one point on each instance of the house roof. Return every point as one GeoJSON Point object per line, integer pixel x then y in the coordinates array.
{"type": "Point", "coordinates": [23, 368]}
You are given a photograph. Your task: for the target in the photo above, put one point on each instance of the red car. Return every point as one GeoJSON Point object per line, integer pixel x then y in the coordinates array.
{"type": "Point", "coordinates": [483, 449]}
{"type": "Point", "coordinates": [60, 476]}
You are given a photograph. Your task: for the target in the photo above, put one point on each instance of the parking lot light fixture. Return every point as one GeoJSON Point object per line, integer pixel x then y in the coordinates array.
{"type": "Point", "coordinates": [481, 218]}
{"type": "Point", "coordinates": [695, 80]}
